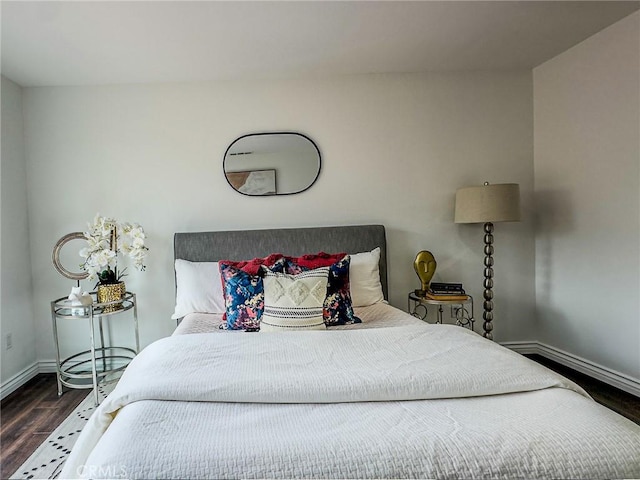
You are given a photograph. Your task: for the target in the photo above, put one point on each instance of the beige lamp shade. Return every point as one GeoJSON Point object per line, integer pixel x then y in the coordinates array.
{"type": "Point", "coordinates": [488, 203]}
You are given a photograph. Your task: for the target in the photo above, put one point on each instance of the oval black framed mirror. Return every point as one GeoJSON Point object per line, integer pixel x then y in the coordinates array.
{"type": "Point", "coordinates": [272, 163]}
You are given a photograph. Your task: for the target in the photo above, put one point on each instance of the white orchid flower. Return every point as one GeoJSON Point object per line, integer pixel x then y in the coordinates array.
{"type": "Point", "coordinates": [98, 252]}
{"type": "Point", "coordinates": [138, 242]}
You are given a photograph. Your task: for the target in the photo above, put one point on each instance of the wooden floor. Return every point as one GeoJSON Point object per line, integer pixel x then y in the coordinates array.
{"type": "Point", "coordinates": [29, 415]}
{"type": "Point", "coordinates": [617, 400]}
{"type": "Point", "coordinates": [33, 411]}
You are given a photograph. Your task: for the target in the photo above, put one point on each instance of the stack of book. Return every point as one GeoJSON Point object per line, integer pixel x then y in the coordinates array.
{"type": "Point", "coordinates": [446, 291]}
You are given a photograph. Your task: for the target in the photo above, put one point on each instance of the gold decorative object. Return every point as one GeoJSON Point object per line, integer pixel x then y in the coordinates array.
{"type": "Point", "coordinates": [425, 266]}
{"type": "Point", "coordinates": [56, 256]}
{"type": "Point", "coordinates": [111, 293]}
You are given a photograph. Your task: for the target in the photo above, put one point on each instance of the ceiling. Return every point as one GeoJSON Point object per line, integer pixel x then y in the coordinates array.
{"type": "Point", "coordinates": [109, 42]}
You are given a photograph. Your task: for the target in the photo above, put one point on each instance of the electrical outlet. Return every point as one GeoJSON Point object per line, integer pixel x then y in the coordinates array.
{"type": "Point", "coordinates": [9, 341]}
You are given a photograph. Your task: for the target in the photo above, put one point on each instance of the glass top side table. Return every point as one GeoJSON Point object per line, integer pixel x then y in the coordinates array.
{"type": "Point", "coordinates": [100, 363]}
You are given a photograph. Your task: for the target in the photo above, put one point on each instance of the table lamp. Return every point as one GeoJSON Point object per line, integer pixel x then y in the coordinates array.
{"type": "Point", "coordinates": [488, 204]}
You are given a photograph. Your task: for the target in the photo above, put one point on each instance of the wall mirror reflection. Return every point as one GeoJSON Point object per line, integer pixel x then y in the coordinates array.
{"type": "Point", "coordinates": [277, 163]}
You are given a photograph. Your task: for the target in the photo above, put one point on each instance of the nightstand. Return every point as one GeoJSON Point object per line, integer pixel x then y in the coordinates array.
{"type": "Point", "coordinates": [98, 364]}
{"type": "Point", "coordinates": [459, 310]}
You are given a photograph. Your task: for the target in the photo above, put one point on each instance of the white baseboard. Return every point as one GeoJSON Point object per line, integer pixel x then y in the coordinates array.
{"type": "Point", "coordinates": [22, 377]}
{"type": "Point", "coordinates": [47, 366]}
{"type": "Point", "coordinates": [19, 379]}
{"type": "Point", "coordinates": [604, 374]}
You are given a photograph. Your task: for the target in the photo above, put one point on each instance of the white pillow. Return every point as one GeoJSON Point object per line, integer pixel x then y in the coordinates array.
{"type": "Point", "coordinates": [364, 278]}
{"type": "Point", "coordinates": [294, 302]}
{"type": "Point", "coordinates": [198, 288]}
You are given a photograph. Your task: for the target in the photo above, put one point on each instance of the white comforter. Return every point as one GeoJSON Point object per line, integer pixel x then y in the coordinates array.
{"type": "Point", "coordinates": [414, 401]}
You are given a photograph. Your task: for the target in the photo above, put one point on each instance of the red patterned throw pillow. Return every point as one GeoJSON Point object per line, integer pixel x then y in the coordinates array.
{"type": "Point", "coordinates": [313, 261]}
{"type": "Point", "coordinates": [243, 290]}
{"type": "Point", "coordinates": [252, 267]}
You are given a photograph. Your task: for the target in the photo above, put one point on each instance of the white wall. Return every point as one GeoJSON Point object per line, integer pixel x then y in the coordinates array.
{"type": "Point", "coordinates": [16, 315]}
{"type": "Point", "coordinates": [394, 148]}
{"type": "Point", "coordinates": [587, 184]}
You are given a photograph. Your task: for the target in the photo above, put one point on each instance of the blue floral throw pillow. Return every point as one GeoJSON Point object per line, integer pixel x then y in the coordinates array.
{"type": "Point", "coordinates": [244, 296]}
{"type": "Point", "coordinates": [337, 307]}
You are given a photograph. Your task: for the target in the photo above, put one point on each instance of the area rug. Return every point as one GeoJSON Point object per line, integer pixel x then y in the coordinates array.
{"type": "Point", "coordinates": [47, 460]}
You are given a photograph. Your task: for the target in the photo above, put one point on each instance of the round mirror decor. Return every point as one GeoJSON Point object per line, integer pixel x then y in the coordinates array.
{"type": "Point", "coordinates": [272, 163]}
{"type": "Point", "coordinates": [56, 256]}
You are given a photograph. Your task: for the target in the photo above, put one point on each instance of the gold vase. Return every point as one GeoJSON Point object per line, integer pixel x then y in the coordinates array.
{"type": "Point", "coordinates": [111, 293]}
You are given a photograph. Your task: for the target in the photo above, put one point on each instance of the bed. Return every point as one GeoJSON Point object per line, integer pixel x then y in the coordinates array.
{"type": "Point", "coordinates": [390, 397]}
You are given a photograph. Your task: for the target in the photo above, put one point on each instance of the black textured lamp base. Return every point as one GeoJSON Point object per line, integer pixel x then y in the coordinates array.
{"type": "Point", "coordinates": [487, 315]}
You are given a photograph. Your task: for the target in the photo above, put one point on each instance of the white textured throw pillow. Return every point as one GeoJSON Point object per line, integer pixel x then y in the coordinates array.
{"type": "Point", "coordinates": [294, 302]}
{"type": "Point", "coordinates": [364, 278]}
{"type": "Point", "coordinates": [198, 288]}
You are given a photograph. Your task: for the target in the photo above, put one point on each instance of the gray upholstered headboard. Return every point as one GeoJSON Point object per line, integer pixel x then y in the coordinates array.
{"type": "Point", "coordinates": [248, 244]}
